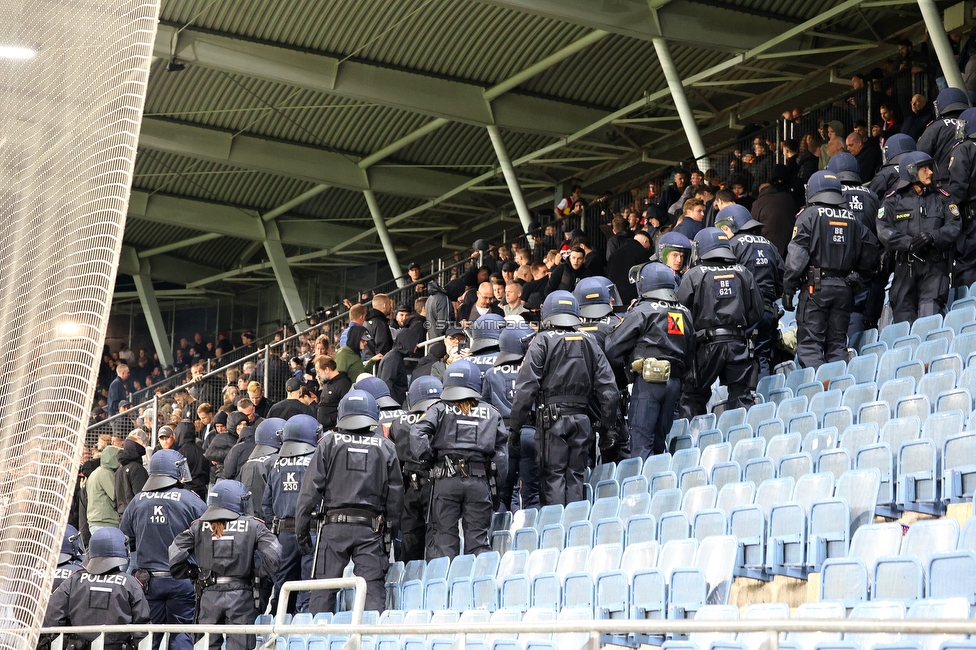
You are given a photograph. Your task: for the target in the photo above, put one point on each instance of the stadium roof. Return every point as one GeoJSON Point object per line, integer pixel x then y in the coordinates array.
{"type": "Point", "coordinates": [270, 120]}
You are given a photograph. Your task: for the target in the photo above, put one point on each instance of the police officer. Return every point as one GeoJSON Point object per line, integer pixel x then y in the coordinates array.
{"type": "Point", "coordinates": [761, 257]}
{"type": "Point", "coordinates": [464, 438]}
{"type": "Point", "coordinates": [69, 560]}
{"type": "Point", "coordinates": [220, 548]}
{"type": "Point", "coordinates": [254, 472]}
{"type": "Point", "coordinates": [152, 520]}
{"type": "Point", "coordinates": [390, 411]}
{"type": "Point", "coordinates": [565, 375]}
{"type": "Point", "coordinates": [484, 341]}
{"type": "Point", "coordinates": [674, 251]}
{"type": "Point", "coordinates": [829, 253]}
{"type": "Point", "coordinates": [423, 393]}
{"type": "Point", "coordinates": [299, 438]}
{"type": "Point", "coordinates": [940, 135]}
{"type": "Point", "coordinates": [864, 205]}
{"type": "Point", "coordinates": [725, 302]}
{"type": "Point", "coordinates": [101, 594]}
{"type": "Point", "coordinates": [886, 179]}
{"type": "Point", "coordinates": [918, 224]}
{"type": "Point", "coordinates": [657, 333]}
{"type": "Point", "coordinates": [356, 475]}
{"type": "Point", "coordinates": [962, 192]}
{"type": "Point", "coordinates": [498, 388]}
{"type": "Point", "coordinates": [596, 311]}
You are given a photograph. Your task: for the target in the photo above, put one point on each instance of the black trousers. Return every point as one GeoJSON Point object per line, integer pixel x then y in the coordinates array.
{"type": "Point", "coordinates": [340, 543]}
{"type": "Point", "coordinates": [413, 521]}
{"type": "Point", "coordinates": [822, 319]}
{"type": "Point", "coordinates": [228, 607]}
{"type": "Point", "coordinates": [454, 499]}
{"type": "Point", "coordinates": [562, 452]}
{"type": "Point", "coordinates": [964, 266]}
{"type": "Point", "coordinates": [919, 289]}
{"type": "Point", "coordinates": [725, 359]}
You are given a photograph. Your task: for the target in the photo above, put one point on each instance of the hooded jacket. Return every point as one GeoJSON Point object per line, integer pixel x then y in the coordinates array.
{"type": "Point", "coordinates": [131, 475]}
{"type": "Point", "coordinates": [333, 390]}
{"type": "Point", "coordinates": [223, 442]}
{"type": "Point", "coordinates": [439, 310]}
{"type": "Point", "coordinates": [197, 464]}
{"type": "Point", "coordinates": [347, 358]}
{"type": "Point", "coordinates": [239, 453]}
{"type": "Point", "coordinates": [415, 323]}
{"type": "Point", "coordinates": [392, 368]}
{"type": "Point", "coordinates": [378, 326]}
{"type": "Point", "coordinates": [101, 490]}
{"type": "Point", "coordinates": [428, 364]}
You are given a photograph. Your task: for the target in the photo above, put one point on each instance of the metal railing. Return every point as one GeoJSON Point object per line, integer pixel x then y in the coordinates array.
{"type": "Point", "coordinates": [660, 627]}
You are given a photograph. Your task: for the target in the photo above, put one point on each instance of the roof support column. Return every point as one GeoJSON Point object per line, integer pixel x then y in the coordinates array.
{"type": "Point", "coordinates": [510, 178]}
{"type": "Point", "coordinates": [936, 30]}
{"type": "Point", "coordinates": [154, 317]}
{"type": "Point", "coordinates": [286, 282]}
{"type": "Point", "coordinates": [680, 99]}
{"type": "Point", "coordinates": [384, 235]}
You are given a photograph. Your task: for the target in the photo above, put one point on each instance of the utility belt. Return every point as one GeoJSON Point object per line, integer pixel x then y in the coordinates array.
{"type": "Point", "coordinates": [283, 525]}
{"type": "Point", "coordinates": [722, 334]}
{"type": "Point", "coordinates": [416, 479]}
{"type": "Point", "coordinates": [356, 517]}
{"type": "Point", "coordinates": [551, 407]}
{"type": "Point", "coordinates": [160, 574]}
{"type": "Point", "coordinates": [653, 371]}
{"type": "Point", "coordinates": [226, 581]}
{"type": "Point", "coordinates": [449, 466]}
{"type": "Point", "coordinates": [968, 211]}
{"type": "Point", "coordinates": [906, 257]}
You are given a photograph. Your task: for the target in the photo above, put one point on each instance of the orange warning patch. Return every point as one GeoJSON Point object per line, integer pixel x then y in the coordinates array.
{"type": "Point", "coordinates": [676, 323]}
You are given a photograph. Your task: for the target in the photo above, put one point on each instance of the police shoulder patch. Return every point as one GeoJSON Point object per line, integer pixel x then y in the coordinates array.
{"type": "Point", "coordinates": [881, 212]}
{"type": "Point", "coordinates": [954, 209]}
{"type": "Point", "coordinates": [796, 229]}
{"type": "Point", "coordinates": [676, 323]}
{"type": "Point", "coordinates": [944, 193]}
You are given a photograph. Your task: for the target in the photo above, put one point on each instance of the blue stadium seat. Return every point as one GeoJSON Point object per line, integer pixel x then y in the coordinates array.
{"type": "Point", "coordinates": [525, 539]}
{"type": "Point", "coordinates": [633, 486]}
{"type": "Point", "coordinates": [655, 464]}
{"type": "Point", "coordinates": [953, 575]}
{"type": "Point", "coordinates": [553, 537]}
{"type": "Point", "coordinates": [914, 369]}
{"type": "Point", "coordinates": [580, 533]}
{"type": "Point", "coordinates": [709, 523]}
{"type": "Point", "coordinates": [790, 407]}
{"type": "Point", "coordinates": [692, 477]}
{"type": "Point", "coordinates": [823, 402]}
{"type": "Point", "coordinates": [769, 428]}
{"type": "Point", "coordinates": [641, 528]}
{"type": "Point", "coordinates": [890, 360]}
{"type": "Point", "coordinates": [894, 331]}
{"type": "Point", "coordinates": [834, 461]}
{"type": "Point", "coordinates": [947, 362]}
{"type": "Point", "coordinates": [898, 578]}
{"type": "Point", "coordinates": [959, 467]}
{"type": "Point", "coordinates": [795, 466]}
{"type": "Point", "coordinates": [802, 423]}
{"type": "Point", "coordinates": [880, 457]}
{"type": "Point", "coordinates": [809, 389]}
{"type": "Point", "coordinates": [821, 611]}
{"type": "Point", "coordinates": [725, 473]}
{"type": "Point", "coordinates": [673, 526]}
{"type": "Point", "coordinates": [918, 477]}
{"type": "Point", "coordinates": [811, 488]}
{"type": "Point", "coordinates": [746, 450]}
{"type": "Point", "coordinates": [894, 389]}
{"type": "Point", "coordinates": [393, 582]}
{"type": "Point", "coordinates": [770, 383]}
{"type": "Point", "coordinates": [881, 610]}
{"type": "Point", "coordinates": [783, 445]}
{"type": "Point", "coordinates": [958, 399]}
{"type": "Point", "coordinates": [761, 412]}
{"type": "Point", "coordinates": [684, 459]}
{"type": "Point", "coordinates": [759, 470]}
{"type": "Point", "coordinates": [818, 441]}
{"type": "Point", "coordinates": [713, 455]}
{"type": "Point", "coordinates": [707, 582]}
{"type": "Point", "coordinates": [664, 501]}
{"type": "Point", "coordinates": [636, 504]}
{"type": "Point", "coordinates": [936, 608]}
{"type": "Point", "coordinates": [663, 481]}
{"type": "Point", "coordinates": [786, 540]}
{"type": "Point", "coordinates": [839, 417]}
{"type": "Point", "coordinates": [733, 495]}
{"type": "Point", "coordinates": [737, 433]}
{"type": "Point", "coordinates": [878, 412]}
{"type": "Point", "coordinates": [859, 435]}
{"type": "Point", "coordinates": [609, 531]}
{"type": "Point", "coordinates": [762, 611]}
{"type": "Point", "coordinates": [833, 521]}
{"type": "Point", "coordinates": [863, 368]}
{"type": "Point", "coordinates": [701, 423]}
{"type": "Point", "coordinates": [860, 394]}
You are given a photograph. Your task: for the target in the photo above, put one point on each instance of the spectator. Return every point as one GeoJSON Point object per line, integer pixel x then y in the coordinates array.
{"type": "Point", "coordinates": [261, 403]}
{"type": "Point", "coordinates": [116, 390]}
{"type": "Point", "coordinates": [565, 206]}
{"type": "Point", "coordinates": [392, 368]}
{"type": "Point", "coordinates": [222, 443]}
{"type": "Point", "coordinates": [740, 187]}
{"type": "Point", "coordinates": [406, 317]}
{"type": "Point", "coordinates": [357, 316]}
{"type": "Point", "coordinates": [762, 164]}
{"type": "Point", "coordinates": [692, 218]}
{"type": "Point", "coordinates": [922, 114]}
{"type": "Point", "coordinates": [378, 325]}
{"type": "Point", "coordinates": [635, 251]}
{"type": "Point", "coordinates": [808, 160]}
{"type": "Point", "coordinates": [126, 355]}
{"type": "Point", "coordinates": [775, 209]}
{"type": "Point", "coordinates": [485, 304]}
{"type": "Point", "coordinates": [889, 126]}
{"type": "Point", "coordinates": [131, 474]}
{"type": "Point", "coordinates": [239, 453]}
{"type": "Point", "coordinates": [832, 129]}
{"type": "Point", "coordinates": [868, 156]}
{"type": "Point", "coordinates": [100, 489]}
{"type": "Point", "coordinates": [513, 300]}
{"type": "Point", "coordinates": [534, 291]}
{"type": "Point", "coordinates": [673, 192]}
{"type": "Point", "coordinates": [348, 358]}
{"type": "Point", "coordinates": [335, 384]}
{"type": "Point", "coordinates": [440, 312]}
{"type": "Point", "coordinates": [621, 233]}
{"type": "Point", "coordinates": [185, 439]}
{"type": "Point", "coordinates": [292, 404]}
{"type": "Point", "coordinates": [433, 363]}
{"type": "Point", "coordinates": [565, 275]}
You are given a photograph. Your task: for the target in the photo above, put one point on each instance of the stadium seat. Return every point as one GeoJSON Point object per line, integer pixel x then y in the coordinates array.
{"type": "Point", "coordinates": [877, 349]}
{"type": "Point", "coordinates": [609, 531]}
{"type": "Point", "coordinates": [701, 423]}
{"type": "Point", "coordinates": [802, 423]}
{"type": "Point", "coordinates": [714, 613]}
{"type": "Point", "coordinates": [759, 470]}
{"type": "Point", "coordinates": [553, 537]}
{"type": "Point", "coordinates": [664, 501]}
{"type": "Point", "coordinates": [762, 412]}
{"type": "Point", "coordinates": [894, 331]}
{"type": "Point", "coordinates": [790, 407]}
{"type": "Point", "coordinates": [799, 377]}
{"type": "Point", "coordinates": [707, 582]}
{"type": "Point", "coordinates": [918, 477]}
{"type": "Point", "coordinates": [956, 399]}
{"type": "Point", "coordinates": [684, 459]}
{"type": "Point", "coordinates": [953, 575]}
{"type": "Point", "coordinates": [525, 539]}
{"type": "Point", "coordinates": [635, 504]}
{"type": "Point", "coordinates": [860, 394]}
{"type": "Point", "coordinates": [959, 468]}
{"type": "Point", "coordinates": [811, 488]}
{"type": "Point", "coordinates": [673, 526]}
{"type": "Point", "coordinates": [859, 435]}
{"type": "Point", "coordinates": [786, 540]}
{"type": "Point", "coordinates": [914, 369]}
{"type": "Point", "coordinates": [551, 514]}
{"type": "Point", "coordinates": [663, 481]}
{"type": "Point", "coordinates": [833, 521]}
{"type": "Point", "coordinates": [746, 450]}
{"type": "Point", "coordinates": [818, 441]}
{"type": "Point", "coordinates": [809, 389]}
{"type": "Point", "coordinates": [783, 445]}
{"type": "Point", "coordinates": [795, 466]}
{"type": "Point", "coordinates": [655, 464]}
{"type": "Point", "coordinates": [816, 611]}
{"type": "Point", "coordinates": [393, 582]}
{"type": "Point", "coordinates": [879, 456]}
{"type": "Point", "coordinates": [709, 523]}
{"type": "Point", "coordinates": [737, 433]}
{"type": "Point", "coordinates": [764, 612]}
{"type": "Point", "coordinates": [849, 579]}
{"type": "Point", "coordinates": [725, 473]}
{"type": "Point", "coordinates": [834, 461]}
{"type": "Point", "coordinates": [967, 538]}
{"type": "Point", "coordinates": [863, 368]}
{"type": "Point", "coordinates": [957, 317]}
{"type": "Point", "coordinates": [894, 389]}
{"type": "Point", "coordinates": [839, 417]}
{"type": "Point", "coordinates": [890, 360]}
{"type": "Point", "coordinates": [823, 402]}
{"type": "Point", "coordinates": [898, 578]}
{"type": "Point", "coordinates": [880, 610]}
{"type": "Point", "coordinates": [580, 533]}
{"type": "Point", "coordinates": [733, 495]}
{"type": "Point", "coordinates": [770, 383]}
{"type": "Point", "coordinates": [641, 528]}
{"type": "Point", "coordinates": [692, 477]}
{"type": "Point", "coordinates": [876, 412]}
{"type": "Point", "coordinates": [936, 608]}
{"type": "Point", "coordinates": [768, 428]}
{"type": "Point", "coordinates": [633, 486]}
{"type": "Point", "coordinates": [946, 363]}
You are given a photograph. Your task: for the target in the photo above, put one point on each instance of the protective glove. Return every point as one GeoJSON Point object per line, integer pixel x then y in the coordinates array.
{"type": "Point", "coordinates": [515, 439]}
{"type": "Point", "coordinates": [788, 301]}
{"type": "Point", "coordinates": [853, 279]}
{"type": "Point", "coordinates": [920, 241]}
{"type": "Point", "coordinates": [608, 439]}
{"type": "Point", "coordinates": [305, 543]}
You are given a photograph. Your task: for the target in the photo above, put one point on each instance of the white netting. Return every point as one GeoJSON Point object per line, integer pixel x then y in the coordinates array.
{"type": "Point", "coordinates": [70, 125]}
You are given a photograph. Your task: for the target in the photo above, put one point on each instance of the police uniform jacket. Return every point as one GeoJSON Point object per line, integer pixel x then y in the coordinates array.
{"type": "Point", "coordinates": [349, 470]}
{"type": "Point", "coordinates": [600, 327]}
{"type": "Point", "coordinates": [498, 387]}
{"type": "Point", "coordinates": [962, 163]}
{"type": "Point", "coordinates": [832, 239]}
{"type": "Point", "coordinates": [884, 181]}
{"type": "Point", "coordinates": [232, 554]}
{"type": "Point", "coordinates": [112, 598]}
{"type": "Point", "coordinates": [484, 359]}
{"type": "Point", "coordinates": [864, 205]}
{"type": "Point", "coordinates": [721, 295]}
{"type": "Point", "coordinates": [564, 363]}
{"type": "Point", "coordinates": [254, 474]}
{"type": "Point", "coordinates": [937, 142]}
{"type": "Point", "coordinates": [388, 416]}
{"type": "Point", "coordinates": [65, 571]}
{"type": "Point", "coordinates": [280, 496]}
{"type": "Point", "coordinates": [762, 259]}
{"type": "Point", "coordinates": [652, 328]}
{"type": "Point", "coordinates": [445, 430]}
{"type": "Point", "coordinates": [400, 435]}
{"type": "Point", "coordinates": [154, 519]}
{"type": "Point", "coordinates": [905, 214]}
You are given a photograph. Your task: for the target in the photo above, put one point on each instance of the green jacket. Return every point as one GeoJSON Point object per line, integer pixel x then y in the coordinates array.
{"type": "Point", "coordinates": [101, 490]}
{"type": "Point", "coordinates": [348, 361]}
